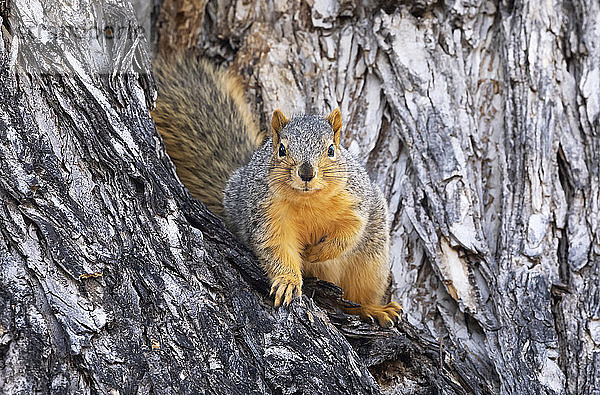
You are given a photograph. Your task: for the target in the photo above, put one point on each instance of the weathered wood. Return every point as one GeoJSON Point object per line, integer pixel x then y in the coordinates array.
{"type": "Point", "coordinates": [481, 119]}
{"type": "Point", "coordinates": [112, 280]}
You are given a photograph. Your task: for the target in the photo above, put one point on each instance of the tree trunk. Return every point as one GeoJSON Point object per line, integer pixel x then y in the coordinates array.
{"type": "Point", "coordinates": [113, 280]}
{"type": "Point", "coordinates": [481, 119]}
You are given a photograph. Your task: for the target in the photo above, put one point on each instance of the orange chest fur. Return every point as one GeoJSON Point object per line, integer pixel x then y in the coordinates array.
{"type": "Point", "coordinates": [306, 220]}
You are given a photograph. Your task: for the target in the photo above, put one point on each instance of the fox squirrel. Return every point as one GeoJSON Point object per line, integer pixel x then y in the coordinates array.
{"type": "Point", "coordinates": [300, 200]}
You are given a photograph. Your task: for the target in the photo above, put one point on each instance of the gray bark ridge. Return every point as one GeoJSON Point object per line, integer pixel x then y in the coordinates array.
{"type": "Point", "coordinates": [112, 280]}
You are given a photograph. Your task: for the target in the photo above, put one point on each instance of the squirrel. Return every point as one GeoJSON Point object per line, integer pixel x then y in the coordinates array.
{"type": "Point", "coordinates": [298, 199]}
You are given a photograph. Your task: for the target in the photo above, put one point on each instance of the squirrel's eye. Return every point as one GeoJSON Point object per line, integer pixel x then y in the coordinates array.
{"type": "Point", "coordinates": [281, 150]}
{"type": "Point", "coordinates": [331, 151]}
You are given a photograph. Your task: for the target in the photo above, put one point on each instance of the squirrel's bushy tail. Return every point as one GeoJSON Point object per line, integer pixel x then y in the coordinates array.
{"type": "Point", "coordinates": [206, 124]}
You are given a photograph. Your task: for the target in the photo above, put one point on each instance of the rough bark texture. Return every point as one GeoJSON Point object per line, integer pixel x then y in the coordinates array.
{"type": "Point", "coordinates": [481, 119]}
{"type": "Point", "coordinates": [112, 280]}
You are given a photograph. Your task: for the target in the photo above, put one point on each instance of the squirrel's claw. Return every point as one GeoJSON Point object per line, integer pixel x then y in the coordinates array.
{"type": "Point", "coordinates": [386, 315]}
{"type": "Point", "coordinates": [390, 314]}
{"type": "Point", "coordinates": [286, 287]}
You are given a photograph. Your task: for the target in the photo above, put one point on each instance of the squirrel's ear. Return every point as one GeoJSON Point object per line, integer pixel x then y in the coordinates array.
{"type": "Point", "coordinates": [335, 120]}
{"type": "Point", "coordinates": [277, 124]}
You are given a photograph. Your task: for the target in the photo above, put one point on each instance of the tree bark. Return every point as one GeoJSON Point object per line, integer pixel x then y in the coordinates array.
{"type": "Point", "coordinates": [481, 119]}
{"type": "Point", "coordinates": [113, 280]}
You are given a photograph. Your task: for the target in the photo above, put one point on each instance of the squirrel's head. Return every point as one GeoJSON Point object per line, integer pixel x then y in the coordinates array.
{"type": "Point", "coordinates": [306, 152]}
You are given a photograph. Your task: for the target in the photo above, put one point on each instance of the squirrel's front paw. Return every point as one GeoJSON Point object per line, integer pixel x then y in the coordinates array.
{"type": "Point", "coordinates": [317, 252]}
{"type": "Point", "coordinates": [312, 253]}
{"type": "Point", "coordinates": [286, 286]}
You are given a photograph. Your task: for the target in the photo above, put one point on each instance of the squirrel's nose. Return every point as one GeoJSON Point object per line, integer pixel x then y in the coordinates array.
{"type": "Point", "coordinates": [306, 172]}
